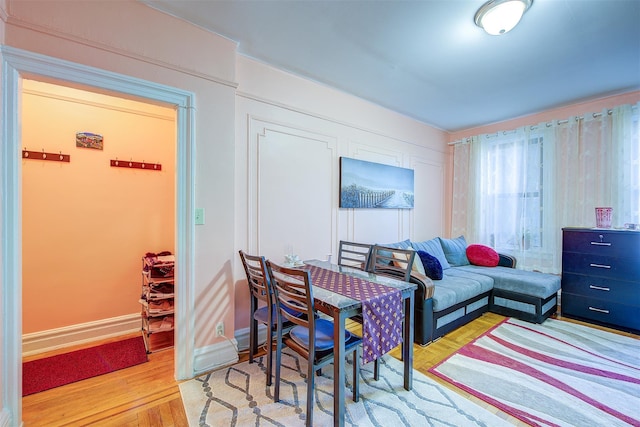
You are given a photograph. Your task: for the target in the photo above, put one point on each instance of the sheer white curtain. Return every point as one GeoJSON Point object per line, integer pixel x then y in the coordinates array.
{"type": "Point", "coordinates": [515, 190]}
{"type": "Point", "coordinates": [625, 198]}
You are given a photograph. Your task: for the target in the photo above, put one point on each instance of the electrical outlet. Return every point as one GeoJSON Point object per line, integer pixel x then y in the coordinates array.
{"type": "Point", "coordinates": [220, 329]}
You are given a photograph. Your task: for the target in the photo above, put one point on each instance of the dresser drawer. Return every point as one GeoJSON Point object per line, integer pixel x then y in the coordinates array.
{"type": "Point", "coordinates": [600, 242]}
{"type": "Point", "coordinates": [601, 266]}
{"type": "Point", "coordinates": [601, 288]}
{"type": "Point", "coordinates": [601, 311]}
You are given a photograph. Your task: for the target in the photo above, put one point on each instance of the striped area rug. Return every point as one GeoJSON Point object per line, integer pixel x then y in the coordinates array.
{"type": "Point", "coordinates": [238, 396]}
{"type": "Point", "coordinates": [552, 374]}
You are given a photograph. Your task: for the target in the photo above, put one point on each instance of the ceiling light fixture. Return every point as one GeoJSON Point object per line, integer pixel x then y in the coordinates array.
{"type": "Point", "coordinates": [497, 17]}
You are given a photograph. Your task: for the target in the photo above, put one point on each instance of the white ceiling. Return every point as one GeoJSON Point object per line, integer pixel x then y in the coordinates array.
{"type": "Point", "coordinates": [428, 60]}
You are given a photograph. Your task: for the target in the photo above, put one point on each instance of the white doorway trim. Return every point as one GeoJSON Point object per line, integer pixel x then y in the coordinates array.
{"type": "Point", "coordinates": [18, 64]}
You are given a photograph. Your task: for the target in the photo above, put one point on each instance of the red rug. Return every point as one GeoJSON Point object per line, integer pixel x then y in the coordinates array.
{"type": "Point", "coordinates": [44, 374]}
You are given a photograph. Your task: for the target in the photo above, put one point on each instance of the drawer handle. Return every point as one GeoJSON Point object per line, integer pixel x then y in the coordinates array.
{"type": "Point", "coordinates": [599, 310]}
{"type": "Point", "coordinates": [601, 244]}
{"type": "Point", "coordinates": [599, 266]}
{"type": "Point", "coordinates": [599, 288]}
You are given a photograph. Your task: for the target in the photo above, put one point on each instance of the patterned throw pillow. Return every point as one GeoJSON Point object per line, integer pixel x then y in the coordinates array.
{"type": "Point", "coordinates": [482, 255]}
{"type": "Point", "coordinates": [432, 267]}
{"type": "Point", "coordinates": [455, 250]}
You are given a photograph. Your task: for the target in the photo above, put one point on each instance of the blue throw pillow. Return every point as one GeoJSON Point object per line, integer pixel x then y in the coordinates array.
{"type": "Point", "coordinates": [432, 267]}
{"type": "Point", "coordinates": [455, 250]}
{"type": "Point", "coordinates": [433, 248]}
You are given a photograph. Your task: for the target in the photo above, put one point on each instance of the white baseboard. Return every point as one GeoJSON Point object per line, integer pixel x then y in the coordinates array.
{"type": "Point", "coordinates": [242, 337]}
{"type": "Point", "coordinates": [4, 418]}
{"type": "Point", "coordinates": [215, 356]}
{"type": "Point", "coordinates": [52, 339]}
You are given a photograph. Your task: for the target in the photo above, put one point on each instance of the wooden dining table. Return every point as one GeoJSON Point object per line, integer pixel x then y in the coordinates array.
{"type": "Point", "coordinates": [340, 307]}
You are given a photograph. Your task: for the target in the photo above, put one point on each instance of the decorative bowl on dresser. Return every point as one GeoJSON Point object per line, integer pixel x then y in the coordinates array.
{"type": "Point", "coordinates": [601, 276]}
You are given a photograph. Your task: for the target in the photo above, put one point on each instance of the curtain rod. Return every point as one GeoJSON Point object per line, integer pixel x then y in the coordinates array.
{"type": "Point", "coordinates": [533, 127]}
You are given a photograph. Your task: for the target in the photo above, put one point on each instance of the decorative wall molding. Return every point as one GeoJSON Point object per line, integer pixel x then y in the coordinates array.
{"type": "Point", "coordinates": [53, 339]}
{"type": "Point", "coordinates": [20, 23]}
{"type": "Point", "coordinates": [103, 105]}
{"type": "Point", "coordinates": [260, 130]}
{"type": "Point", "coordinates": [329, 119]}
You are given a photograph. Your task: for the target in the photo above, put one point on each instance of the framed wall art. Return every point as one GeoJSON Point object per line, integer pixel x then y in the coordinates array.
{"type": "Point", "coordinates": [374, 185]}
{"type": "Point", "coordinates": [89, 140]}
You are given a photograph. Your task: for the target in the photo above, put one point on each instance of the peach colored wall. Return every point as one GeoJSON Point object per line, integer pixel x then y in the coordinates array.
{"type": "Point", "coordinates": [85, 224]}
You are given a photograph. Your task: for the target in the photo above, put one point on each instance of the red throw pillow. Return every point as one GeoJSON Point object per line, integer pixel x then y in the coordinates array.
{"type": "Point", "coordinates": [482, 255]}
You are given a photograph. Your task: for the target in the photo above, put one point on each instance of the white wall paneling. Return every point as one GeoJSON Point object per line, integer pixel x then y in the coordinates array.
{"type": "Point", "coordinates": [428, 215]}
{"type": "Point", "coordinates": [293, 183]}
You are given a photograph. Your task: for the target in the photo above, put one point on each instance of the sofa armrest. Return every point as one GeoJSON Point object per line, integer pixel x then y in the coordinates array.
{"type": "Point", "coordinates": [425, 284]}
{"type": "Point", "coordinates": [507, 261]}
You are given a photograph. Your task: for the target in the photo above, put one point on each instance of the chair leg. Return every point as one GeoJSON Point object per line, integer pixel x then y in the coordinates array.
{"type": "Point", "coordinates": [356, 374]}
{"type": "Point", "coordinates": [276, 391]}
{"type": "Point", "coordinates": [269, 344]}
{"type": "Point", "coordinates": [310, 392]}
{"type": "Point", "coordinates": [253, 339]}
{"type": "Point", "coordinates": [376, 369]}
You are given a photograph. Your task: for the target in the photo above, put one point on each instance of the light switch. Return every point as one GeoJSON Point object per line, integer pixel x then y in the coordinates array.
{"type": "Point", "coordinates": [199, 216]}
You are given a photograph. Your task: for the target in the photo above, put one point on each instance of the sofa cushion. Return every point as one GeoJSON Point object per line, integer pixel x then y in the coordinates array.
{"type": "Point", "coordinates": [458, 286]}
{"type": "Point", "coordinates": [431, 265]}
{"type": "Point", "coordinates": [455, 250]}
{"type": "Point", "coordinates": [540, 285]}
{"type": "Point", "coordinates": [482, 255]}
{"type": "Point", "coordinates": [434, 248]}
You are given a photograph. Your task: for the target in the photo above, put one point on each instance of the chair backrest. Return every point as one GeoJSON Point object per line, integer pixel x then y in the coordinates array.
{"type": "Point", "coordinates": [352, 254]}
{"type": "Point", "coordinates": [255, 268]}
{"type": "Point", "coordinates": [392, 262]}
{"type": "Point", "coordinates": [293, 294]}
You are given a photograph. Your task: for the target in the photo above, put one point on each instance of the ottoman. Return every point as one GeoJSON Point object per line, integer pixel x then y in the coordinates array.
{"type": "Point", "coordinates": [525, 295]}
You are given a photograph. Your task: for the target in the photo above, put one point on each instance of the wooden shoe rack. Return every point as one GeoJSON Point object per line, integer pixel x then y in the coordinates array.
{"type": "Point", "coordinates": [157, 301]}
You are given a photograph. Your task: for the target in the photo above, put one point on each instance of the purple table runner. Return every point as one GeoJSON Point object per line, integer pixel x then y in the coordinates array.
{"type": "Point", "coordinates": [381, 309]}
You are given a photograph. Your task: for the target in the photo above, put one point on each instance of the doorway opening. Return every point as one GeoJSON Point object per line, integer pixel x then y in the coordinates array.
{"type": "Point", "coordinates": [18, 65]}
{"type": "Point", "coordinates": [85, 223]}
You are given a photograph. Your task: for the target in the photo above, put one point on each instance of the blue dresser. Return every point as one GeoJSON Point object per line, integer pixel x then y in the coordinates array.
{"type": "Point", "coordinates": [601, 276]}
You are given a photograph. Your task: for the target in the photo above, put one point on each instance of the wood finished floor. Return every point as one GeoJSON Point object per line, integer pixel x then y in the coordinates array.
{"type": "Point", "coordinates": [148, 395]}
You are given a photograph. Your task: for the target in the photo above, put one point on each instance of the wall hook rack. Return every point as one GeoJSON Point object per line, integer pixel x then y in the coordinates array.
{"type": "Point", "coordinates": [130, 164]}
{"type": "Point", "coordinates": [42, 155]}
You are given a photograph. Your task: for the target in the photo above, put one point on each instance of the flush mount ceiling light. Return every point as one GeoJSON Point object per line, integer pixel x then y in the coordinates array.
{"type": "Point", "coordinates": [497, 17]}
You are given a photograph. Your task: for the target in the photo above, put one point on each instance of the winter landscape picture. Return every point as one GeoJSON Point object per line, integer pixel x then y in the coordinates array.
{"type": "Point", "coordinates": [374, 185]}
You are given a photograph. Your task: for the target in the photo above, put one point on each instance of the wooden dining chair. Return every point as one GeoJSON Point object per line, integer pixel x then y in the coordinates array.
{"type": "Point", "coordinates": [312, 337]}
{"type": "Point", "coordinates": [394, 262]}
{"type": "Point", "coordinates": [352, 254]}
{"type": "Point", "coordinates": [356, 255]}
{"type": "Point", "coordinates": [262, 308]}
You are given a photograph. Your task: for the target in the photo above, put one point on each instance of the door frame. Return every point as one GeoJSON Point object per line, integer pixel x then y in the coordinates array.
{"type": "Point", "coordinates": [17, 64]}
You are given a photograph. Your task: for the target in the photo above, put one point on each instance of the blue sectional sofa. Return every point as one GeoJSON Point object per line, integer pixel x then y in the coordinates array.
{"type": "Point", "coordinates": [462, 291]}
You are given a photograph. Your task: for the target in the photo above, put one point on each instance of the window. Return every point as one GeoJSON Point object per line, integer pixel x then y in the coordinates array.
{"type": "Point", "coordinates": [513, 204]}
{"type": "Point", "coordinates": [516, 190]}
